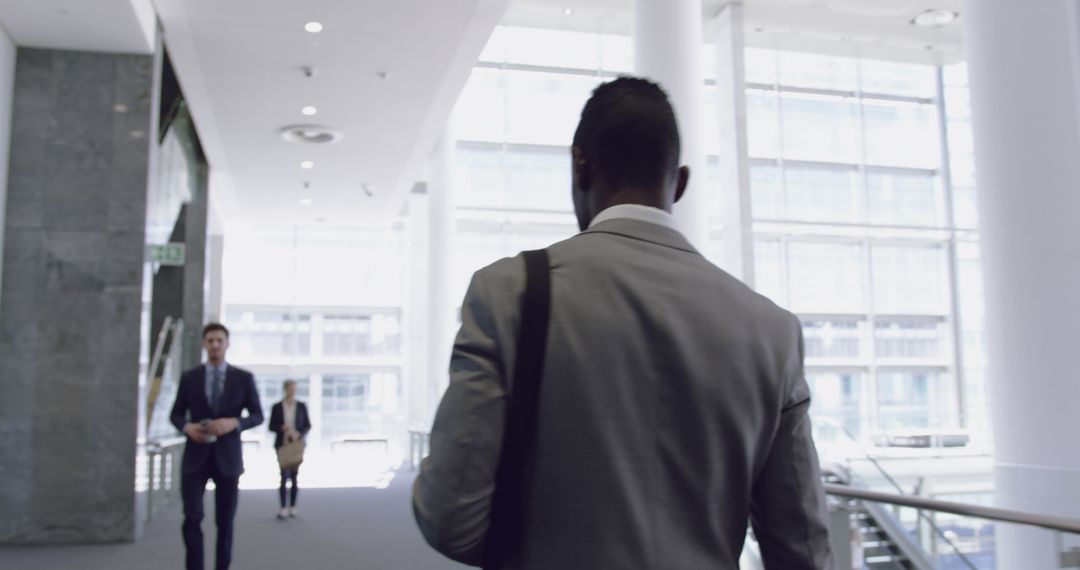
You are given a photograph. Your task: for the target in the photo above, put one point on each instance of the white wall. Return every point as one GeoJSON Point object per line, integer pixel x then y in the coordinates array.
{"type": "Point", "coordinates": [7, 91]}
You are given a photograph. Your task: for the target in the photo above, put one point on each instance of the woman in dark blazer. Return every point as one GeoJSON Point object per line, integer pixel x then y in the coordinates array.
{"type": "Point", "coordinates": [290, 421]}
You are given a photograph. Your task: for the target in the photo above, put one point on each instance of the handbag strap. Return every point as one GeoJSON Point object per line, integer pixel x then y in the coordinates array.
{"type": "Point", "coordinates": [506, 524]}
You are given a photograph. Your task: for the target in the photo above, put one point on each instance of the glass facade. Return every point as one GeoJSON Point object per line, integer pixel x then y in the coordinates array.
{"type": "Point", "coordinates": [862, 187]}
{"type": "Point", "coordinates": [323, 307]}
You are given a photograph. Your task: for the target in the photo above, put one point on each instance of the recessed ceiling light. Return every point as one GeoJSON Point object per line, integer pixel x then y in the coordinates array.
{"type": "Point", "coordinates": [305, 201]}
{"type": "Point", "coordinates": [568, 12]}
{"type": "Point", "coordinates": [935, 18]}
{"type": "Point", "coordinates": [307, 165]}
{"type": "Point", "coordinates": [309, 110]}
{"type": "Point", "coordinates": [313, 27]}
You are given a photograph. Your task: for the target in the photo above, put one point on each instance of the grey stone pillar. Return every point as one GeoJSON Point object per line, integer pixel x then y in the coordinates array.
{"type": "Point", "coordinates": [7, 90]}
{"type": "Point", "coordinates": [71, 301]}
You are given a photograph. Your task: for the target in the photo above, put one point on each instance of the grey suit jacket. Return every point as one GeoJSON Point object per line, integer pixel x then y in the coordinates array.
{"type": "Point", "coordinates": [673, 409]}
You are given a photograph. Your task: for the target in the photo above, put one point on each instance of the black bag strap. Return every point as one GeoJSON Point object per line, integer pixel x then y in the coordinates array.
{"type": "Point", "coordinates": [505, 532]}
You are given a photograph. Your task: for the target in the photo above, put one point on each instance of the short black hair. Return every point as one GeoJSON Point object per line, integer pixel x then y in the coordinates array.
{"type": "Point", "coordinates": [214, 327]}
{"type": "Point", "coordinates": [629, 132]}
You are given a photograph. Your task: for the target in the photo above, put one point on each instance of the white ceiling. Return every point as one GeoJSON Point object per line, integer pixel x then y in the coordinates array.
{"type": "Point", "coordinates": [117, 26]}
{"type": "Point", "coordinates": [240, 64]}
{"type": "Point", "coordinates": [877, 29]}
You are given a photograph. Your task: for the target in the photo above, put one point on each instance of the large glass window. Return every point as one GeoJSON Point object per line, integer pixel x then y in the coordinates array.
{"type": "Point", "coordinates": [911, 400]}
{"type": "Point", "coordinates": [361, 404]}
{"type": "Point", "coordinates": [763, 124]}
{"type": "Point", "coordinates": [269, 333]}
{"type": "Point", "coordinates": [819, 128]}
{"type": "Point", "coordinates": [822, 194]}
{"type": "Point", "coordinates": [850, 199]}
{"type": "Point", "coordinates": [508, 178]}
{"type": "Point", "coordinates": [901, 134]}
{"type": "Point", "coordinates": [833, 339]}
{"type": "Point", "coordinates": [909, 279]}
{"type": "Point", "coordinates": [838, 398]}
{"type": "Point", "coordinates": [903, 339]}
{"type": "Point", "coordinates": [358, 335]}
{"type": "Point", "coordinates": [904, 198]}
{"type": "Point", "coordinates": [826, 277]}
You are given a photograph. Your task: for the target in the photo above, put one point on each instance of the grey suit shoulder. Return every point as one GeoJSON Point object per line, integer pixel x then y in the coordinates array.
{"type": "Point", "coordinates": [672, 409]}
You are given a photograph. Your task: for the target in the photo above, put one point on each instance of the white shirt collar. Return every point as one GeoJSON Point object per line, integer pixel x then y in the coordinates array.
{"type": "Point", "coordinates": [636, 212]}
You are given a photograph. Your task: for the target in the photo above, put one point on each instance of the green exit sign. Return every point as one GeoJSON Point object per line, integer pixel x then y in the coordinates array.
{"type": "Point", "coordinates": [168, 254]}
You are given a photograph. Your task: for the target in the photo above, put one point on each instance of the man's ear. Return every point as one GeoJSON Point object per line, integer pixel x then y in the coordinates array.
{"type": "Point", "coordinates": [682, 180]}
{"type": "Point", "coordinates": [579, 167]}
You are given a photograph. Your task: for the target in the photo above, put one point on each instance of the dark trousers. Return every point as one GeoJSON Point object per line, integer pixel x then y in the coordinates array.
{"type": "Point", "coordinates": [287, 474]}
{"type": "Point", "coordinates": [226, 495]}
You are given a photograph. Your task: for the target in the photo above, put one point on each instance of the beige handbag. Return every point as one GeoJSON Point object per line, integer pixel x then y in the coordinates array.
{"type": "Point", "coordinates": [291, 455]}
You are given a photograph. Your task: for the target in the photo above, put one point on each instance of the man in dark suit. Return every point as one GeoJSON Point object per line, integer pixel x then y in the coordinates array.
{"type": "Point", "coordinates": [208, 408]}
{"type": "Point", "coordinates": [290, 421]}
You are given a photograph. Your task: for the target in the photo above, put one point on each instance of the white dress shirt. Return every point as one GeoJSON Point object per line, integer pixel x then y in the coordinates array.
{"type": "Point", "coordinates": [636, 212]}
{"type": "Point", "coordinates": [289, 409]}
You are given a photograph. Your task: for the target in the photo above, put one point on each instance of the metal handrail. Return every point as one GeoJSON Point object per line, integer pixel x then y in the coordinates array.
{"type": "Point", "coordinates": [896, 485]}
{"type": "Point", "coordinates": [159, 347]}
{"type": "Point", "coordinates": [162, 444]}
{"type": "Point", "coordinates": [1061, 524]}
{"type": "Point", "coordinates": [170, 328]}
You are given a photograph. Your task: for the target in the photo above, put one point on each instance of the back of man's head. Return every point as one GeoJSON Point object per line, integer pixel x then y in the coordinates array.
{"type": "Point", "coordinates": [629, 133]}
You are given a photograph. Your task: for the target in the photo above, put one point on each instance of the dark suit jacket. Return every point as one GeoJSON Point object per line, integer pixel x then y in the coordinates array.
{"type": "Point", "coordinates": [191, 405]}
{"type": "Point", "coordinates": [277, 422]}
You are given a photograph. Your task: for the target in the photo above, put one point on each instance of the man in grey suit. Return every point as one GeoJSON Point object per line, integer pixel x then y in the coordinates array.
{"type": "Point", "coordinates": [672, 408]}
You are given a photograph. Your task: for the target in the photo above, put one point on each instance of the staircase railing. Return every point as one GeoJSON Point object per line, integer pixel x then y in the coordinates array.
{"type": "Point", "coordinates": [901, 539]}
{"type": "Point", "coordinates": [163, 451]}
{"type": "Point", "coordinates": [1060, 525]}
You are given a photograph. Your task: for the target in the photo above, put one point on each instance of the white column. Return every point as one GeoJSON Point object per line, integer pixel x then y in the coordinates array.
{"type": "Point", "coordinates": [441, 230]}
{"type": "Point", "coordinates": [668, 50]}
{"type": "Point", "coordinates": [738, 238]}
{"type": "Point", "coordinates": [315, 408]}
{"type": "Point", "coordinates": [1027, 150]}
{"type": "Point", "coordinates": [215, 256]}
{"type": "Point", "coordinates": [415, 314]}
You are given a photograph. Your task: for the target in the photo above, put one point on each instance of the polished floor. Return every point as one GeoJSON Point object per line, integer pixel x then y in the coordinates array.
{"type": "Point", "coordinates": [337, 528]}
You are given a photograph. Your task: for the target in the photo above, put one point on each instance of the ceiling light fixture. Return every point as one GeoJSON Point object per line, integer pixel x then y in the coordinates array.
{"type": "Point", "coordinates": [313, 27]}
{"type": "Point", "coordinates": [307, 165]}
{"type": "Point", "coordinates": [568, 12]}
{"type": "Point", "coordinates": [311, 134]}
{"type": "Point", "coordinates": [309, 110]}
{"type": "Point", "coordinates": [935, 18]}
{"type": "Point", "coordinates": [305, 201]}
